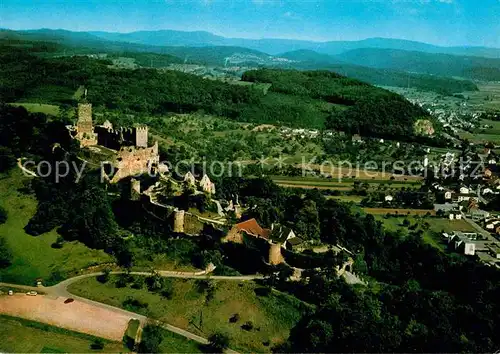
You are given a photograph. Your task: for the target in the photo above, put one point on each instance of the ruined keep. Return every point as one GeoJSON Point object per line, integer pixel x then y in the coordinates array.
{"type": "Point", "coordinates": [84, 128]}
{"type": "Point", "coordinates": [275, 256]}
{"type": "Point", "coordinates": [179, 221]}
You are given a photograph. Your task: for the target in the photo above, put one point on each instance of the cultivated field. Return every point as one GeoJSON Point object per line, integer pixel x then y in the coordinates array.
{"type": "Point", "coordinates": [24, 336]}
{"type": "Point", "coordinates": [191, 308]}
{"type": "Point", "coordinates": [359, 174]}
{"type": "Point", "coordinates": [384, 211]}
{"type": "Point", "coordinates": [344, 185]}
{"type": "Point", "coordinates": [488, 96]}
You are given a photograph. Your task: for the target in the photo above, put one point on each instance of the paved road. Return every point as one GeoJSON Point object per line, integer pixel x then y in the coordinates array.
{"type": "Point", "coordinates": [61, 290]}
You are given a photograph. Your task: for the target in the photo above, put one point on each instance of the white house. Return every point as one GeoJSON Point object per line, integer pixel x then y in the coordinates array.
{"type": "Point", "coordinates": [487, 191]}
{"type": "Point", "coordinates": [464, 190]}
{"type": "Point", "coordinates": [463, 242]}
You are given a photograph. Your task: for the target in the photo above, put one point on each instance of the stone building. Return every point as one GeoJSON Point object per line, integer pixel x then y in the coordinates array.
{"type": "Point", "coordinates": [249, 227]}
{"type": "Point", "coordinates": [134, 161]}
{"type": "Point", "coordinates": [84, 128]}
{"type": "Point", "coordinates": [133, 156]}
{"type": "Point", "coordinates": [179, 216]}
{"type": "Point", "coordinates": [206, 185]}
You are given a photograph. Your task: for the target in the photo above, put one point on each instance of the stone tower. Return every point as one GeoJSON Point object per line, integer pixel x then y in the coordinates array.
{"type": "Point", "coordinates": [135, 189]}
{"type": "Point", "coordinates": [84, 124]}
{"type": "Point", "coordinates": [84, 127]}
{"type": "Point", "coordinates": [141, 136]}
{"type": "Point", "coordinates": [179, 221]}
{"type": "Point", "coordinates": [275, 256]}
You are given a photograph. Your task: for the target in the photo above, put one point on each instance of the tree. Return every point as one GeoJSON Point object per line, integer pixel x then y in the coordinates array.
{"type": "Point", "coordinates": [152, 337]}
{"type": "Point", "coordinates": [104, 277]}
{"type": "Point", "coordinates": [5, 253]}
{"type": "Point", "coordinates": [97, 344]}
{"type": "Point", "coordinates": [3, 215]}
{"type": "Point", "coordinates": [218, 342]}
{"type": "Point", "coordinates": [155, 282]}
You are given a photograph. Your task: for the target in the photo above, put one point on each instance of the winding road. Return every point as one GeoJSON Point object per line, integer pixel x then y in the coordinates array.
{"type": "Point", "coordinates": [60, 290]}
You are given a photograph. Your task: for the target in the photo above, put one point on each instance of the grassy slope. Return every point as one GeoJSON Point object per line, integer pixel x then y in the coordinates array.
{"type": "Point", "coordinates": [23, 336]}
{"type": "Point", "coordinates": [33, 257]}
{"type": "Point", "coordinates": [274, 315]}
{"type": "Point", "coordinates": [174, 343]}
{"type": "Point", "coordinates": [39, 108]}
{"type": "Point", "coordinates": [436, 226]}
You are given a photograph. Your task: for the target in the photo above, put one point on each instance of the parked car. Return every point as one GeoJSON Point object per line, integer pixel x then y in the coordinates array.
{"type": "Point", "coordinates": [31, 293]}
{"type": "Point", "coordinates": [11, 292]}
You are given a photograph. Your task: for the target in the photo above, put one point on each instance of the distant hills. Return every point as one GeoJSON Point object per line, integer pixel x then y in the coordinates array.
{"type": "Point", "coordinates": [276, 46]}
{"type": "Point", "coordinates": [420, 62]}
{"type": "Point", "coordinates": [381, 66]}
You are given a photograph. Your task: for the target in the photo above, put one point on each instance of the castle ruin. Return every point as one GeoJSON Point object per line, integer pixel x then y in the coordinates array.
{"type": "Point", "coordinates": [133, 156]}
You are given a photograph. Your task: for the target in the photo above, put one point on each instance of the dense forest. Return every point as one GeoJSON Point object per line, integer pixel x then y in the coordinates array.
{"type": "Point", "coordinates": [310, 60]}
{"type": "Point", "coordinates": [426, 63]}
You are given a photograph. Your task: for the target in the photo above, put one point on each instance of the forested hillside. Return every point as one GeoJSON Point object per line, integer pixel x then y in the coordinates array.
{"type": "Point", "coordinates": [310, 60]}
{"type": "Point", "coordinates": [307, 99]}
{"type": "Point", "coordinates": [371, 111]}
{"type": "Point", "coordinates": [59, 42]}
{"type": "Point", "coordinates": [411, 61]}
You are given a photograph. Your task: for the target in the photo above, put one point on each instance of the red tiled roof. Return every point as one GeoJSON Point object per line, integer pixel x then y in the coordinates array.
{"type": "Point", "coordinates": [253, 228]}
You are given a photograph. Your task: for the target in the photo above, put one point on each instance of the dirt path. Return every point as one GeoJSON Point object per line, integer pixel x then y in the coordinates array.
{"type": "Point", "coordinates": [76, 316]}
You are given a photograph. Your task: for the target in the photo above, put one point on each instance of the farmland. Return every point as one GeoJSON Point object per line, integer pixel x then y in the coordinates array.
{"type": "Point", "coordinates": [340, 185]}
{"type": "Point", "coordinates": [384, 211]}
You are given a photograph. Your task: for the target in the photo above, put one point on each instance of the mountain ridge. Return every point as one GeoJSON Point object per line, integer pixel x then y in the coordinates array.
{"type": "Point", "coordinates": [275, 46]}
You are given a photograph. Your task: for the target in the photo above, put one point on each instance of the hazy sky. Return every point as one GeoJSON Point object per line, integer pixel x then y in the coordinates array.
{"type": "Point", "coordinates": [445, 22]}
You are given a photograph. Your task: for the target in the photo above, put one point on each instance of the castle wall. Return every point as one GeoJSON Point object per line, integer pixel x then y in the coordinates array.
{"type": "Point", "coordinates": [234, 235]}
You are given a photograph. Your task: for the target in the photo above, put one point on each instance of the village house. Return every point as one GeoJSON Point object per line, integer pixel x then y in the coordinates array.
{"type": "Point", "coordinates": [464, 242]}
{"type": "Point", "coordinates": [285, 237]}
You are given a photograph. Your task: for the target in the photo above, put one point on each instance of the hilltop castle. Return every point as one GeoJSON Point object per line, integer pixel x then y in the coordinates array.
{"type": "Point", "coordinates": [133, 156]}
